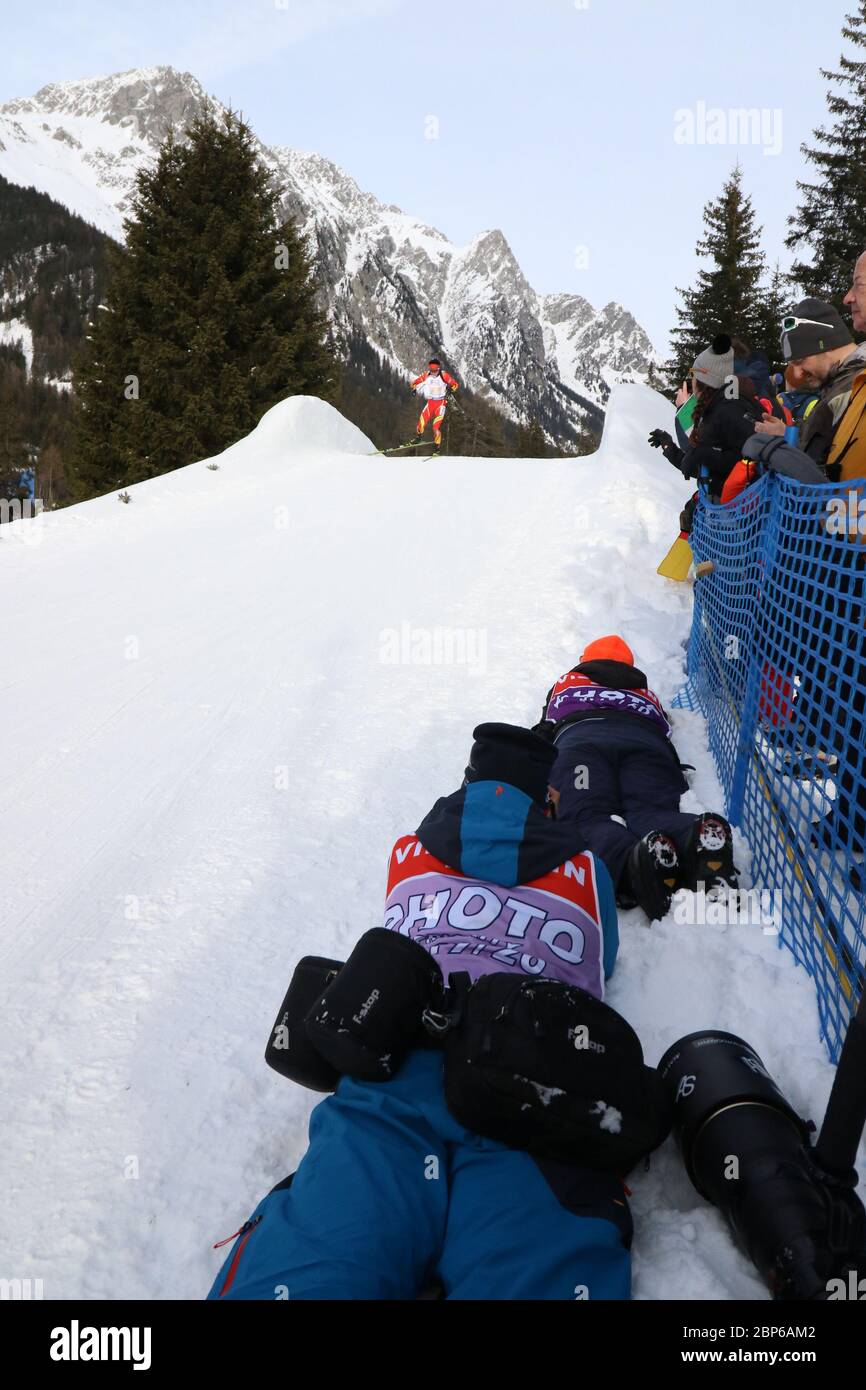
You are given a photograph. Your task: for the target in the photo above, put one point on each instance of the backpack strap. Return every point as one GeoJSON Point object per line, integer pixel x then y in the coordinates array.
{"type": "Point", "coordinates": [846, 434]}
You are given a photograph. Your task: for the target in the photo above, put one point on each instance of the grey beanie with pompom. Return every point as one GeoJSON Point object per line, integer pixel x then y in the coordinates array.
{"type": "Point", "coordinates": [715, 365]}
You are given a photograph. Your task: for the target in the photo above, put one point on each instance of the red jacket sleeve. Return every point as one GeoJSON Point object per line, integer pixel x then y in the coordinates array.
{"type": "Point", "coordinates": [419, 379]}
{"type": "Point", "coordinates": [449, 380]}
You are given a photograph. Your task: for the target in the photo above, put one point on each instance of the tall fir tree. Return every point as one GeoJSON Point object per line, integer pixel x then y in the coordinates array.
{"type": "Point", "coordinates": [210, 315]}
{"type": "Point", "coordinates": [531, 442]}
{"type": "Point", "coordinates": [830, 223]}
{"type": "Point", "coordinates": [728, 297]}
{"type": "Point", "coordinates": [775, 303]}
{"type": "Point", "coordinates": [475, 429]}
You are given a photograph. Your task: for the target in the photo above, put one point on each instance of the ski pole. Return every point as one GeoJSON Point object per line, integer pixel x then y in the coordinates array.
{"type": "Point", "coordinates": [845, 1116]}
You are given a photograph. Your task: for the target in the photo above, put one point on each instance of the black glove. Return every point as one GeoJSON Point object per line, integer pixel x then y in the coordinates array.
{"type": "Point", "coordinates": [660, 439]}
{"type": "Point", "coordinates": [545, 728]}
{"type": "Point", "coordinates": [687, 515]}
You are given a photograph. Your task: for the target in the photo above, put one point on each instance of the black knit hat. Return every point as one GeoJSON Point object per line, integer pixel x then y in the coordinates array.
{"type": "Point", "coordinates": [508, 753]}
{"type": "Point", "coordinates": [822, 328]}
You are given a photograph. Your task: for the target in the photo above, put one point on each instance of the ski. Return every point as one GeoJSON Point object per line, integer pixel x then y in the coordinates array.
{"type": "Point", "coordinates": [400, 448]}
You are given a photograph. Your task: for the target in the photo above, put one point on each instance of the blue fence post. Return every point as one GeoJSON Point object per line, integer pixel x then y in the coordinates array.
{"type": "Point", "coordinates": [748, 724]}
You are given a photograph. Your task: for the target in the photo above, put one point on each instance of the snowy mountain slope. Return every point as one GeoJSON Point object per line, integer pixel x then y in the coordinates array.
{"type": "Point", "coordinates": [402, 284]}
{"type": "Point", "coordinates": [84, 142]}
{"type": "Point", "coordinates": [216, 752]}
{"type": "Point", "coordinates": [591, 350]}
{"type": "Point", "coordinates": [17, 333]}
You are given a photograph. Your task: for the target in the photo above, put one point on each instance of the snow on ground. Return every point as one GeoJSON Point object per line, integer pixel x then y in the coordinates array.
{"type": "Point", "coordinates": [223, 721]}
{"type": "Point", "coordinates": [17, 333]}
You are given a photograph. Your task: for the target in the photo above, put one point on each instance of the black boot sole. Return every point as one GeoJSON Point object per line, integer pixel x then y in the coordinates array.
{"type": "Point", "coordinates": [651, 892]}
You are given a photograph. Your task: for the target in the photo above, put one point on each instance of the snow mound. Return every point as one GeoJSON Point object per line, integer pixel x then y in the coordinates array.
{"type": "Point", "coordinates": [633, 411]}
{"type": "Point", "coordinates": [303, 423]}
{"type": "Point", "coordinates": [295, 432]}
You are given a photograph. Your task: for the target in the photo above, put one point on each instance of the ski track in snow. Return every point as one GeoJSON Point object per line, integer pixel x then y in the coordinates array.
{"type": "Point", "coordinates": [160, 885]}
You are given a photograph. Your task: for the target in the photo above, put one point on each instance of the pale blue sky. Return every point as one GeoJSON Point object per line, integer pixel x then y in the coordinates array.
{"type": "Point", "coordinates": [556, 118]}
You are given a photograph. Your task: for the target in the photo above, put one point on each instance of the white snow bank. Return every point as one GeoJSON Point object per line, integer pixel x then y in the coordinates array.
{"type": "Point", "coordinates": [296, 430]}
{"type": "Point", "coordinates": [222, 733]}
{"type": "Point", "coordinates": [301, 424]}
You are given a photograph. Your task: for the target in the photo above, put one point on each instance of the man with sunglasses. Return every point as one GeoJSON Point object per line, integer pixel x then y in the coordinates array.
{"type": "Point", "coordinates": [434, 385]}
{"type": "Point", "coordinates": [818, 344]}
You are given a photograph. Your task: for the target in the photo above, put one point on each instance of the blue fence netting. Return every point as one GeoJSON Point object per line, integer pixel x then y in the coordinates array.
{"type": "Point", "coordinates": [777, 664]}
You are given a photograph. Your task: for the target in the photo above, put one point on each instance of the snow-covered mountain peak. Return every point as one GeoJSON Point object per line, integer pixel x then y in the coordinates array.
{"type": "Point", "coordinates": [573, 307]}
{"type": "Point", "coordinates": [386, 275]}
{"type": "Point", "coordinates": [147, 100]}
{"type": "Point", "coordinates": [332, 188]}
{"type": "Point", "coordinates": [491, 251]}
{"type": "Point", "coordinates": [84, 142]}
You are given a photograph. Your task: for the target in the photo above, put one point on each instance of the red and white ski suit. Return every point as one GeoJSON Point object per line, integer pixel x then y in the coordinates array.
{"type": "Point", "coordinates": [434, 387]}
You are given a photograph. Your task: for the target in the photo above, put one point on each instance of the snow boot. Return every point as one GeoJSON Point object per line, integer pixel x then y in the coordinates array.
{"type": "Point", "coordinates": [709, 854]}
{"type": "Point", "coordinates": [651, 875]}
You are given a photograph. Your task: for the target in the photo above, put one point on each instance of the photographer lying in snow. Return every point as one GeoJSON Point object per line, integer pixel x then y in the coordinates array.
{"type": "Point", "coordinates": [620, 780]}
{"type": "Point", "coordinates": [478, 1134]}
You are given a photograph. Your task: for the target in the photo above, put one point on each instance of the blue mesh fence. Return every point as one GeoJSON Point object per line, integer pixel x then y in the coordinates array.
{"type": "Point", "coordinates": [777, 664]}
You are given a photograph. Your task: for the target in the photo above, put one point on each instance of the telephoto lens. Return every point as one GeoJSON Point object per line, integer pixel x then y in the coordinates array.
{"type": "Point", "coordinates": [747, 1151]}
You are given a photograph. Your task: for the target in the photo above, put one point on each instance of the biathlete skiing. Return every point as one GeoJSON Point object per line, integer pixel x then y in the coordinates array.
{"type": "Point", "coordinates": [434, 385]}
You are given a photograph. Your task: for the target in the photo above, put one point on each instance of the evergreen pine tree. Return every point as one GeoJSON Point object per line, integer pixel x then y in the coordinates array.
{"type": "Point", "coordinates": [210, 315]}
{"type": "Point", "coordinates": [656, 378]}
{"type": "Point", "coordinates": [475, 429]}
{"type": "Point", "coordinates": [531, 442]}
{"type": "Point", "coordinates": [728, 297]}
{"type": "Point", "coordinates": [830, 223]}
{"type": "Point", "coordinates": [775, 304]}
